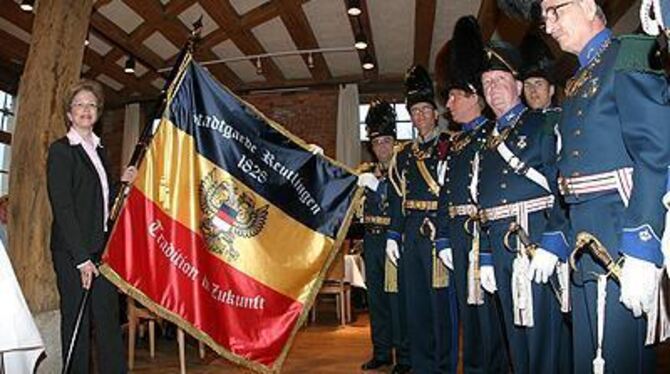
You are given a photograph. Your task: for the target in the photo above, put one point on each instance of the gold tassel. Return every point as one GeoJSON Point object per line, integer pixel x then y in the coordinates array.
{"type": "Point", "coordinates": [475, 296]}
{"type": "Point", "coordinates": [440, 273]}
{"type": "Point", "coordinates": [390, 277]}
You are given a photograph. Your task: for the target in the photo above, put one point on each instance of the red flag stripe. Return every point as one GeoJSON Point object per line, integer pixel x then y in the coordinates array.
{"type": "Point", "coordinates": [171, 265]}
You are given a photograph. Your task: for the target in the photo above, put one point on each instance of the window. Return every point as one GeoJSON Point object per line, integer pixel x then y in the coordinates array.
{"type": "Point", "coordinates": [6, 125]}
{"type": "Point", "coordinates": [404, 128]}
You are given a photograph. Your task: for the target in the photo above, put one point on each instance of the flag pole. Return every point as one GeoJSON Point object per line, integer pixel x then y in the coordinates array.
{"type": "Point", "coordinates": [135, 159]}
{"type": "Point", "coordinates": [147, 133]}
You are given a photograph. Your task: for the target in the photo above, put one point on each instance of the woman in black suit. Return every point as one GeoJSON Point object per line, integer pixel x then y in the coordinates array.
{"type": "Point", "coordinates": [80, 193]}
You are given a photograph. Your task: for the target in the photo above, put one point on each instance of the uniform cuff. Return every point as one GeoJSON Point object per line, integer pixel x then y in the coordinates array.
{"type": "Point", "coordinates": [555, 243]}
{"type": "Point", "coordinates": [642, 243]}
{"type": "Point", "coordinates": [485, 259]}
{"type": "Point", "coordinates": [442, 243]}
{"type": "Point", "coordinates": [393, 235]}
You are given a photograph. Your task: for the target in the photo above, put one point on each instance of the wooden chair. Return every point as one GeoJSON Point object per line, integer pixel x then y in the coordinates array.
{"type": "Point", "coordinates": [136, 314]}
{"type": "Point", "coordinates": [335, 285]}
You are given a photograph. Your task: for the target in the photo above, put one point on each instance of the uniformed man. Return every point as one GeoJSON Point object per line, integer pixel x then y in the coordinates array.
{"type": "Point", "coordinates": [536, 74]}
{"type": "Point", "coordinates": [614, 168]}
{"type": "Point", "coordinates": [387, 322]}
{"type": "Point", "coordinates": [483, 336]}
{"type": "Point", "coordinates": [415, 173]}
{"type": "Point", "coordinates": [515, 177]}
{"type": "Point", "coordinates": [539, 90]}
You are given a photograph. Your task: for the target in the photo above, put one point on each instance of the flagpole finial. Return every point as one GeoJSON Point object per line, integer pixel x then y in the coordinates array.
{"type": "Point", "coordinates": [194, 38]}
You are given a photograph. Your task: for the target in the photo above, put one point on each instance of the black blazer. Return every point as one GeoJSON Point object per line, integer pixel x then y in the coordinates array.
{"type": "Point", "coordinates": [76, 201]}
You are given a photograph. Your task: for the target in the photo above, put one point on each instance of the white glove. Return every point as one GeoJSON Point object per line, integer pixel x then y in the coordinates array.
{"type": "Point", "coordinates": [392, 251]}
{"type": "Point", "coordinates": [542, 266]}
{"type": "Point", "coordinates": [637, 285]}
{"type": "Point", "coordinates": [487, 278]}
{"type": "Point", "coordinates": [315, 149]}
{"type": "Point", "coordinates": [368, 180]}
{"type": "Point", "coordinates": [447, 258]}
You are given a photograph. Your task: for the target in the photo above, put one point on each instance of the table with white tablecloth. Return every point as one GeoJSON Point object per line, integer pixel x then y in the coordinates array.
{"type": "Point", "coordinates": [354, 270]}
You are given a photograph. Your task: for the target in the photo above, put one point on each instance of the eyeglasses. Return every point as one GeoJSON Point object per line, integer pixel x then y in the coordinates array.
{"type": "Point", "coordinates": [550, 14]}
{"type": "Point", "coordinates": [382, 140]}
{"type": "Point", "coordinates": [84, 105]}
{"type": "Point", "coordinates": [425, 110]}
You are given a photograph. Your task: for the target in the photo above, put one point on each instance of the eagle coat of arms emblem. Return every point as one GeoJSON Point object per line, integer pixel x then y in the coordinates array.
{"type": "Point", "coordinates": [227, 214]}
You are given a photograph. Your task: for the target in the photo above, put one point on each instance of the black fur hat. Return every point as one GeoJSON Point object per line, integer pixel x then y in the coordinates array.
{"type": "Point", "coordinates": [537, 58]}
{"type": "Point", "coordinates": [380, 120]}
{"type": "Point", "coordinates": [523, 9]}
{"type": "Point", "coordinates": [466, 58]}
{"type": "Point", "coordinates": [418, 87]}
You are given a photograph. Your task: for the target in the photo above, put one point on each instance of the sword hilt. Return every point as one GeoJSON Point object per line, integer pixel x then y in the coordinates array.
{"type": "Point", "coordinates": [593, 246]}
{"type": "Point", "coordinates": [516, 229]}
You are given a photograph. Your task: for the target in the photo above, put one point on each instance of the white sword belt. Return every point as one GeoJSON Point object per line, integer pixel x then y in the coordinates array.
{"type": "Point", "coordinates": [514, 209]}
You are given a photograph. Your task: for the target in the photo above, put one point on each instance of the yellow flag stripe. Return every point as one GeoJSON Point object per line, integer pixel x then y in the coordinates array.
{"type": "Point", "coordinates": [285, 255]}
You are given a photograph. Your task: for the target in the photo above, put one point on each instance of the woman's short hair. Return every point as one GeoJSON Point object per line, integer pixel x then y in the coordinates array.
{"type": "Point", "coordinates": [85, 85]}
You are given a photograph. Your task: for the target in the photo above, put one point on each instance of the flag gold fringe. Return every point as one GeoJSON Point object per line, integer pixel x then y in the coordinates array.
{"type": "Point", "coordinates": [163, 312]}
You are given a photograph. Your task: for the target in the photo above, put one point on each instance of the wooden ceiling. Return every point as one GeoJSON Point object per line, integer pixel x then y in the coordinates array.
{"type": "Point", "coordinates": [399, 33]}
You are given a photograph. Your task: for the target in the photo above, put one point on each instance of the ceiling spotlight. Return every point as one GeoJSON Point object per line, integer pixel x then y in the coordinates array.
{"type": "Point", "coordinates": [310, 61]}
{"type": "Point", "coordinates": [130, 65]}
{"type": "Point", "coordinates": [27, 5]}
{"type": "Point", "coordinates": [259, 66]}
{"type": "Point", "coordinates": [368, 62]}
{"type": "Point", "coordinates": [354, 7]}
{"type": "Point", "coordinates": [361, 41]}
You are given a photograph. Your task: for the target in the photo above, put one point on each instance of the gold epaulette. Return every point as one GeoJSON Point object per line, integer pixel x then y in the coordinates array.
{"type": "Point", "coordinates": [365, 167]}
{"type": "Point", "coordinates": [399, 146]}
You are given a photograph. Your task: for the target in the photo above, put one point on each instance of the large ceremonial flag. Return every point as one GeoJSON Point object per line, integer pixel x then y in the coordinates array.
{"type": "Point", "coordinates": [231, 224]}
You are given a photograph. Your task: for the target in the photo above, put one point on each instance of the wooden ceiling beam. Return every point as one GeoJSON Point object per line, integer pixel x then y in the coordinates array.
{"type": "Point", "coordinates": [174, 8]}
{"type": "Point", "coordinates": [615, 9]}
{"type": "Point", "coordinates": [114, 33]}
{"type": "Point", "coordinates": [303, 36]}
{"type": "Point", "coordinates": [424, 22]}
{"type": "Point", "coordinates": [488, 17]}
{"type": "Point", "coordinates": [362, 23]}
{"type": "Point", "coordinates": [109, 67]}
{"type": "Point", "coordinates": [177, 33]}
{"type": "Point", "coordinates": [14, 14]}
{"type": "Point", "coordinates": [228, 20]}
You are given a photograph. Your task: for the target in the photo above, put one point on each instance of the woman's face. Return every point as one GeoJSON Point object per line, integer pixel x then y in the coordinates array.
{"type": "Point", "coordinates": [83, 110]}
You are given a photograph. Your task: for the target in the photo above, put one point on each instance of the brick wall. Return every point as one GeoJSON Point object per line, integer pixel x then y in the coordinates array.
{"type": "Point", "coordinates": [310, 115]}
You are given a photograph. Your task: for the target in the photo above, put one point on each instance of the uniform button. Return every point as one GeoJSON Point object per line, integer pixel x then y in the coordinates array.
{"type": "Point", "coordinates": [575, 174]}
{"type": "Point", "coordinates": [578, 132]}
{"type": "Point", "coordinates": [470, 175]}
{"type": "Point", "coordinates": [503, 185]}
{"type": "Point", "coordinates": [505, 171]}
{"type": "Point", "coordinates": [504, 201]}
{"type": "Point", "coordinates": [451, 204]}
{"type": "Point", "coordinates": [446, 179]}
{"type": "Point", "coordinates": [579, 113]}
{"type": "Point", "coordinates": [558, 158]}
{"type": "Point", "coordinates": [575, 153]}
{"type": "Point", "coordinates": [448, 191]}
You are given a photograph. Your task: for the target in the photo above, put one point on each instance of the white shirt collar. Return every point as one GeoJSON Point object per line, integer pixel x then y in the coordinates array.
{"type": "Point", "coordinates": [76, 139]}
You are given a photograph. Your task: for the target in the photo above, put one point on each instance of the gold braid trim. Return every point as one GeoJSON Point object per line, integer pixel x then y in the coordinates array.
{"type": "Point", "coordinates": [425, 174]}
